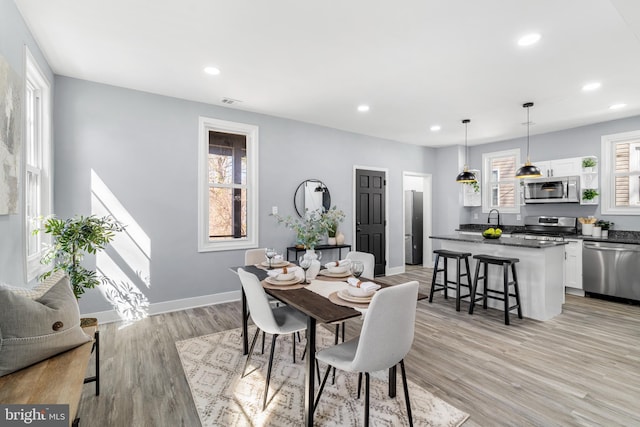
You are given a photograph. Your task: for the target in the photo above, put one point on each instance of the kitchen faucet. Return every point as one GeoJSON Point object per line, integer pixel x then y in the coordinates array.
{"type": "Point", "coordinates": [489, 216]}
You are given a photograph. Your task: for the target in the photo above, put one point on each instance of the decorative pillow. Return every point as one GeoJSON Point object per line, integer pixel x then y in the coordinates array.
{"type": "Point", "coordinates": [36, 328]}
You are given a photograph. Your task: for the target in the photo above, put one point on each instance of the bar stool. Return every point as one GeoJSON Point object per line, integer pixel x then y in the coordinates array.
{"type": "Point", "coordinates": [485, 260]}
{"type": "Point", "coordinates": [458, 256]}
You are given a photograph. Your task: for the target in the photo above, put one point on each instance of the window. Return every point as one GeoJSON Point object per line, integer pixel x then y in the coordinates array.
{"type": "Point", "coordinates": [620, 174]}
{"type": "Point", "coordinates": [501, 187]}
{"type": "Point", "coordinates": [228, 188]}
{"type": "Point", "coordinates": [37, 180]}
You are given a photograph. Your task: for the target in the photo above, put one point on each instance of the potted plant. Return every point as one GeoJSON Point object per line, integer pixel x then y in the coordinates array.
{"type": "Point", "coordinates": [309, 230]}
{"type": "Point", "coordinates": [333, 217]}
{"type": "Point", "coordinates": [72, 239]}
{"type": "Point", "coordinates": [588, 163]}
{"type": "Point", "coordinates": [589, 194]}
{"type": "Point", "coordinates": [474, 185]}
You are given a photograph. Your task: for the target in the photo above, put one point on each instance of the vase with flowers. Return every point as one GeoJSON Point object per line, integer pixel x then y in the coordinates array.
{"type": "Point", "coordinates": [333, 217]}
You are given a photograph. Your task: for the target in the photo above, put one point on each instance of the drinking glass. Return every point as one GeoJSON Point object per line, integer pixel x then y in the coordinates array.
{"type": "Point", "coordinates": [304, 263]}
{"type": "Point", "coordinates": [357, 267]}
{"type": "Point", "coordinates": [270, 253]}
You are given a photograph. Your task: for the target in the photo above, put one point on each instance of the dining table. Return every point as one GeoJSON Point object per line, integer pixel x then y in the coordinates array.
{"type": "Point", "coordinates": [318, 309]}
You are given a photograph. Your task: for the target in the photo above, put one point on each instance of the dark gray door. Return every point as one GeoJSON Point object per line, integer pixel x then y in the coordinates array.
{"type": "Point", "coordinates": [371, 217]}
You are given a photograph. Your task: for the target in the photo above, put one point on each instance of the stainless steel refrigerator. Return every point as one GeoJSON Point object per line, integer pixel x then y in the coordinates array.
{"type": "Point", "coordinates": [413, 227]}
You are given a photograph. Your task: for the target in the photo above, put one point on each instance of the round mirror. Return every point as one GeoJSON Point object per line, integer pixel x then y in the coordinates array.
{"type": "Point", "coordinates": [311, 195]}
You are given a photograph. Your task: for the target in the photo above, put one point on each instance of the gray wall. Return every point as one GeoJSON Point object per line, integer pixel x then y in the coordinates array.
{"type": "Point", "coordinates": [581, 141]}
{"type": "Point", "coordinates": [14, 35]}
{"type": "Point", "coordinates": [144, 148]}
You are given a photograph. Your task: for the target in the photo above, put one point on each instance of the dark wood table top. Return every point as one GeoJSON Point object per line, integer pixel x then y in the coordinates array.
{"type": "Point", "coordinates": [310, 303]}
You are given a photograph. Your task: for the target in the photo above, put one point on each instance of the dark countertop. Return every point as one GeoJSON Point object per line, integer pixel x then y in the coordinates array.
{"type": "Point", "coordinates": [504, 241]}
{"type": "Point", "coordinates": [615, 236]}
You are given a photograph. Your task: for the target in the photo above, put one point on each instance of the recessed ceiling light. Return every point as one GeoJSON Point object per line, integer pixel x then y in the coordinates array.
{"type": "Point", "coordinates": [363, 108]}
{"type": "Point", "coordinates": [212, 70]}
{"type": "Point", "coordinates": [617, 106]}
{"type": "Point", "coordinates": [435, 128]}
{"type": "Point", "coordinates": [591, 86]}
{"type": "Point", "coordinates": [529, 39]}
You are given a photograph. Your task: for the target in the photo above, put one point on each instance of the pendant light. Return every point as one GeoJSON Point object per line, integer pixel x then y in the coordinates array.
{"type": "Point", "coordinates": [528, 170]}
{"type": "Point", "coordinates": [465, 176]}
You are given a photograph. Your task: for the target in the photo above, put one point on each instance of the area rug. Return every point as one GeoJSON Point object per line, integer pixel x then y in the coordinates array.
{"type": "Point", "coordinates": [213, 366]}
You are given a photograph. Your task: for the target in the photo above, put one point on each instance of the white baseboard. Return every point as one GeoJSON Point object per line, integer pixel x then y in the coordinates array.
{"type": "Point", "coordinates": [169, 306]}
{"type": "Point", "coordinates": [395, 270]}
{"type": "Point", "coordinates": [574, 291]}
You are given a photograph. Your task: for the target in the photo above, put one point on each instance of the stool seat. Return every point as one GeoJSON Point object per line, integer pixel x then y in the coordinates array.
{"type": "Point", "coordinates": [495, 259]}
{"type": "Point", "coordinates": [452, 254]}
{"type": "Point", "coordinates": [458, 257]}
{"type": "Point", "coordinates": [503, 295]}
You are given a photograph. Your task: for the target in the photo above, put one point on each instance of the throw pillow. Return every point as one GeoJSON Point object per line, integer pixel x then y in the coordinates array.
{"type": "Point", "coordinates": [32, 330]}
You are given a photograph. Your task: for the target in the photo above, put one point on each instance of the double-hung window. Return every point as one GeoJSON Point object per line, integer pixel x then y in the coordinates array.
{"type": "Point", "coordinates": [620, 174]}
{"type": "Point", "coordinates": [501, 187]}
{"type": "Point", "coordinates": [228, 187]}
{"type": "Point", "coordinates": [38, 167]}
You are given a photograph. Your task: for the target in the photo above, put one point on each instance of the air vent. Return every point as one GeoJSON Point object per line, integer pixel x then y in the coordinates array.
{"type": "Point", "coordinates": [230, 101]}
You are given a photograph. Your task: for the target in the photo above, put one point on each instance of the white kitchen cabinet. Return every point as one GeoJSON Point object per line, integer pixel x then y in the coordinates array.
{"type": "Point", "coordinates": [573, 265]}
{"type": "Point", "coordinates": [560, 167]}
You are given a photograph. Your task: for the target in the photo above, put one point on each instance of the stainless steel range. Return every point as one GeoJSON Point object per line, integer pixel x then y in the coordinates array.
{"type": "Point", "coordinates": [553, 228]}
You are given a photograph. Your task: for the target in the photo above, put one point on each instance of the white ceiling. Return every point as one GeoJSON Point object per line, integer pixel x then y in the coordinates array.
{"type": "Point", "coordinates": [415, 62]}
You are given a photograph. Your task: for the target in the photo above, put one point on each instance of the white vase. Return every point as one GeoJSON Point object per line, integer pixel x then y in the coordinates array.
{"type": "Point", "coordinates": [331, 241]}
{"type": "Point", "coordinates": [313, 271]}
{"type": "Point", "coordinates": [339, 238]}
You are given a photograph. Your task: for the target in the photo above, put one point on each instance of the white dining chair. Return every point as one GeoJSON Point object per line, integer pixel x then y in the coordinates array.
{"type": "Point", "coordinates": [369, 263]}
{"type": "Point", "coordinates": [254, 256]}
{"type": "Point", "coordinates": [275, 321]}
{"type": "Point", "coordinates": [367, 259]}
{"type": "Point", "coordinates": [385, 339]}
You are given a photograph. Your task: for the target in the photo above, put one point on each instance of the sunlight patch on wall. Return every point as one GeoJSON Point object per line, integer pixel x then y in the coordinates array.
{"type": "Point", "coordinates": [126, 263]}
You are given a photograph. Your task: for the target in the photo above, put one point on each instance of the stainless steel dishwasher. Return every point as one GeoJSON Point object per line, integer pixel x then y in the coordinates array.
{"type": "Point", "coordinates": [611, 269]}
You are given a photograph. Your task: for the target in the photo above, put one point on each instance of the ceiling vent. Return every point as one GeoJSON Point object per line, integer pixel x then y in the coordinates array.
{"type": "Point", "coordinates": [230, 101]}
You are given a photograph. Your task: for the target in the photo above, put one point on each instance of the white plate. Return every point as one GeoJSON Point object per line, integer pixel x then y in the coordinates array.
{"type": "Point", "coordinates": [330, 274]}
{"type": "Point", "coordinates": [274, 281]}
{"type": "Point", "coordinates": [275, 264]}
{"type": "Point", "coordinates": [345, 295]}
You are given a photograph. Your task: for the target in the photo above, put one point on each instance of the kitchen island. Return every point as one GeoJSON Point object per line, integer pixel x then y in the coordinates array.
{"type": "Point", "coordinates": [540, 270]}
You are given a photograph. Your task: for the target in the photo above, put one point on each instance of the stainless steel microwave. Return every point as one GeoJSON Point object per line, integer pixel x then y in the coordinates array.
{"type": "Point", "coordinates": [564, 189]}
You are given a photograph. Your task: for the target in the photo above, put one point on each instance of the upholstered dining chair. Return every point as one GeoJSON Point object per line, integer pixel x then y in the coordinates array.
{"type": "Point", "coordinates": [385, 339]}
{"type": "Point", "coordinates": [369, 263]}
{"type": "Point", "coordinates": [368, 260]}
{"type": "Point", "coordinates": [275, 321]}
{"type": "Point", "coordinates": [254, 256]}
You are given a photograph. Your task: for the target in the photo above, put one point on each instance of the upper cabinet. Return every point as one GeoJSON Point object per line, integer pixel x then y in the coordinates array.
{"type": "Point", "coordinates": [561, 167]}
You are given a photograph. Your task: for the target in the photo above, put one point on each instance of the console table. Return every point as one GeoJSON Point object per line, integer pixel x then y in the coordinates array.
{"type": "Point", "coordinates": [296, 250]}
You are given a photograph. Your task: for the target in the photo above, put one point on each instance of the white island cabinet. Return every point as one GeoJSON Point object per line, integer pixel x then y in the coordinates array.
{"type": "Point", "coordinates": [540, 270]}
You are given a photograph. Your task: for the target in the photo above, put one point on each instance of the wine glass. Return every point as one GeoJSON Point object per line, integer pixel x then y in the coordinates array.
{"type": "Point", "coordinates": [270, 253]}
{"type": "Point", "coordinates": [357, 267]}
{"type": "Point", "coordinates": [305, 264]}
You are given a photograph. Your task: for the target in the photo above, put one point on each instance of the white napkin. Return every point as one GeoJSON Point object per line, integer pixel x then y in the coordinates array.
{"type": "Point", "coordinates": [341, 263]}
{"type": "Point", "coordinates": [366, 286]}
{"type": "Point", "coordinates": [276, 271]}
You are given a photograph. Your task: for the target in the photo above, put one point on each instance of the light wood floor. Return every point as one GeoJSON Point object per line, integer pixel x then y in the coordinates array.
{"type": "Point", "coordinates": [579, 369]}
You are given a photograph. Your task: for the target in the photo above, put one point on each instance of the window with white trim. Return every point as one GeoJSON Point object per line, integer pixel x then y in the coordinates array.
{"type": "Point", "coordinates": [501, 187]}
{"type": "Point", "coordinates": [38, 166]}
{"type": "Point", "coordinates": [620, 174]}
{"type": "Point", "coordinates": [228, 185]}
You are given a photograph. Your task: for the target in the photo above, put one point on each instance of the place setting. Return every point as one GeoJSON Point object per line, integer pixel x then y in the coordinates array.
{"type": "Point", "coordinates": [337, 269]}
{"type": "Point", "coordinates": [357, 293]}
{"type": "Point", "coordinates": [273, 260]}
{"type": "Point", "coordinates": [285, 278]}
